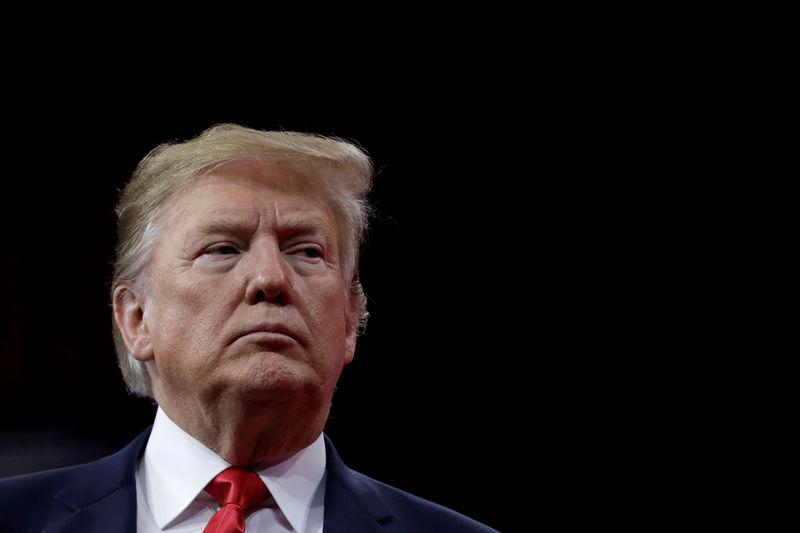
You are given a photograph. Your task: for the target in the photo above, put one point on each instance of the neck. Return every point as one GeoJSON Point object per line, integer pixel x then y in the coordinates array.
{"type": "Point", "coordinates": [255, 433]}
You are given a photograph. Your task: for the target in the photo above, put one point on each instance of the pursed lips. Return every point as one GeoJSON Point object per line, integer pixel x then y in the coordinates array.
{"type": "Point", "coordinates": [269, 332]}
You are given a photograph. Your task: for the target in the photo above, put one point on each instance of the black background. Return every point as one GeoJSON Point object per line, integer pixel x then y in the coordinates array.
{"type": "Point", "coordinates": [551, 276]}
{"type": "Point", "coordinates": [557, 279]}
{"type": "Point", "coordinates": [439, 399]}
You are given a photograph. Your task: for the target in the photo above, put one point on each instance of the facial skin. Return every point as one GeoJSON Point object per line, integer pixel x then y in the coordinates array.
{"type": "Point", "coordinates": [244, 323]}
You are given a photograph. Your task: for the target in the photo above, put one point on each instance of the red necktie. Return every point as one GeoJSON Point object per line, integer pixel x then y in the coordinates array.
{"type": "Point", "coordinates": [236, 489]}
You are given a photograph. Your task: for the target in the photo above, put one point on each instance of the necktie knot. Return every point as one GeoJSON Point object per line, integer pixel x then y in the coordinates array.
{"type": "Point", "coordinates": [236, 489]}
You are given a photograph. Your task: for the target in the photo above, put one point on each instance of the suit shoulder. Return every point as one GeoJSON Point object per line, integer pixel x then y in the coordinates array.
{"type": "Point", "coordinates": [43, 483]}
{"type": "Point", "coordinates": [29, 501]}
{"type": "Point", "coordinates": [413, 513]}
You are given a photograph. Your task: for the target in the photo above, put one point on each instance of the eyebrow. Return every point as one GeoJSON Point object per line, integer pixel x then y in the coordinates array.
{"type": "Point", "coordinates": [289, 225]}
{"type": "Point", "coordinates": [224, 224]}
{"type": "Point", "coordinates": [303, 224]}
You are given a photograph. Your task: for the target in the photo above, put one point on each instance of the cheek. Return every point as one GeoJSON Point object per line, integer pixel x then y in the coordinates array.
{"type": "Point", "coordinates": [185, 324]}
{"type": "Point", "coordinates": [328, 322]}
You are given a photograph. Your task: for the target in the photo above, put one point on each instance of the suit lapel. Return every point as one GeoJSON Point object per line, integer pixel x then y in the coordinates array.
{"type": "Point", "coordinates": [102, 497]}
{"type": "Point", "coordinates": [351, 504]}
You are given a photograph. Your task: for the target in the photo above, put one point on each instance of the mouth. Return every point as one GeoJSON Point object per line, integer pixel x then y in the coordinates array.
{"type": "Point", "coordinates": [270, 334]}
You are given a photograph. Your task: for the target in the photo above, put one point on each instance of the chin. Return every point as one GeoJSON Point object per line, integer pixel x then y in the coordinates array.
{"type": "Point", "coordinates": [277, 377]}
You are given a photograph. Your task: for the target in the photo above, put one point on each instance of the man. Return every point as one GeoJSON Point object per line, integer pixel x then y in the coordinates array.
{"type": "Point", "coordinates": [236, 305]}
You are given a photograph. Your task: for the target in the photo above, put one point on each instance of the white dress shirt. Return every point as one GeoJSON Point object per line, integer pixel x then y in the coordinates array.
{"type": "Point", "coordinates": [176, 467]}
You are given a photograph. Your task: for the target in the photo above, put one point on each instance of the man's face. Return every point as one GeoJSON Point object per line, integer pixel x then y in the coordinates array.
{"type": "Point", "coordinates": [246, 299]}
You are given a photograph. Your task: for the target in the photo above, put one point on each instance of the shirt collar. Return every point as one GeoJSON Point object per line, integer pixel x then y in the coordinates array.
{"type": "Point", "coordinates": [294, 482]}
{"type": "Point", "coordinates": [176, 468]}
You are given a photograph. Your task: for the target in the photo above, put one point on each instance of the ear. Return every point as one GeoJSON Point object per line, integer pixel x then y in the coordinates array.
{"type": "Point", "coordinates": [351, 328]}
{"type": "Point", "coordinates": [131, 321]}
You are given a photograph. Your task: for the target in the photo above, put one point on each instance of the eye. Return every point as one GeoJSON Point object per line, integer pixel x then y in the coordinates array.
{"type": "Point", "coordinates": [222, 249]}
{"type": "Point", "coordinates": [311, 252]}
{"type": "Point", "coordinates": [307, 251]}
{"type": "Point", "coordinates": [227, 250]}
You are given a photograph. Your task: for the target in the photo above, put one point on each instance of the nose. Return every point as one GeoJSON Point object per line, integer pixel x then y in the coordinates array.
{"type": "Point", "coordinates": [268, 277]}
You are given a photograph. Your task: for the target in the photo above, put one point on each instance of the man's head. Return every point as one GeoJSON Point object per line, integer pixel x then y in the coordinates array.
{"type": "Point", "coordinates": [237, 265]}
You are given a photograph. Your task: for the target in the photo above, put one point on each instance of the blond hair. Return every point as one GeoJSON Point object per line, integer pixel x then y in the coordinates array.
{"type": "Point", "coordinates": [340, 168]}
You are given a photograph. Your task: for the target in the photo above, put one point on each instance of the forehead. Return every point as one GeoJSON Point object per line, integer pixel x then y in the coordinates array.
{"type": "Point", "coordinates": [247, 191]}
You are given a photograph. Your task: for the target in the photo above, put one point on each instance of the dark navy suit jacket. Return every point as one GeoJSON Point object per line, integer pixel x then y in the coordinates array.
{"type": "Point", "coordinates": [100, 497]}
